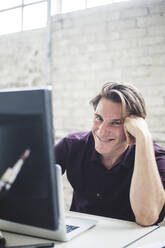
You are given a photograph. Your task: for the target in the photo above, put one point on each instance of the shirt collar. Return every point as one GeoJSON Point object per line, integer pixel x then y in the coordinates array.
{"type": "Point", "coordinates": [95, 156]}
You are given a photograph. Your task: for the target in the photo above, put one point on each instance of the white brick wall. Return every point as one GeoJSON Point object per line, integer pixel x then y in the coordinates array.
{"type": "Point", "coordinates": [117, 42]}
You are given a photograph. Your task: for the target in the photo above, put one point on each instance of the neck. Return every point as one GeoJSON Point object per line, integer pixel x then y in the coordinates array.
{"type": "Point", "coordinates": [110, 160]}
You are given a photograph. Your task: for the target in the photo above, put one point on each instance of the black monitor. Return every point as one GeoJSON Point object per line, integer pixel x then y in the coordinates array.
{"type": "Point", "coordinates": [26, 123]}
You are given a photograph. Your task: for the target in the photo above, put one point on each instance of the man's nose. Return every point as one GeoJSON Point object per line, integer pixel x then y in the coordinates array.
{"type": "Point", "coordinates": [104, 130]}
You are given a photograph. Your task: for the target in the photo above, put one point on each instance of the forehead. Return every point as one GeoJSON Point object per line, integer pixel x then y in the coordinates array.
{"type": "Point", "coordinates": [108, 108]}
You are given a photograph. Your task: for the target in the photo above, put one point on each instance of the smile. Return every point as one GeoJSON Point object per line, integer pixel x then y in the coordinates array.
{"type": "Point", "coordinates": [103, 140]}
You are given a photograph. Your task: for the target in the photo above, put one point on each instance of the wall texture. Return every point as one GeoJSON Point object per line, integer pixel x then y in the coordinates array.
{"type": "Point", "coordinates": [118, 42]}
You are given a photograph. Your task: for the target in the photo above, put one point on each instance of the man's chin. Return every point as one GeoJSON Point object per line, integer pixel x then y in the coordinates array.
{"type": "Point", "coordinates": [101, 150]}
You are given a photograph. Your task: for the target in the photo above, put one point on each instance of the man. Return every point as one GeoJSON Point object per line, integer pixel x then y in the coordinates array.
{"type": "Point", "coordinates": [115, 170]}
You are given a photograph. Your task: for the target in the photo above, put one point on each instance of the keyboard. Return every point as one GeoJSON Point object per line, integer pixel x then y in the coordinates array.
{"type": "Point", "coordinates": [70, 228]}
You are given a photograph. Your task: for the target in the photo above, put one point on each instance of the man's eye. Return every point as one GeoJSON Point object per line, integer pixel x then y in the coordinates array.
{"type": "Point", "coordinates": [116, 123]}
{"type": "Point", "coordinates": [98, 118]}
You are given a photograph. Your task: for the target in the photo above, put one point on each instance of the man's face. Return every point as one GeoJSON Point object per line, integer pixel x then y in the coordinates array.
{"type": "Point", "coordinates": [108, 128]}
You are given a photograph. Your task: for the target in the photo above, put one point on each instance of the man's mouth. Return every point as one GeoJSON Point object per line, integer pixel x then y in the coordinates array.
{"type": "Point", "coordinates": [104, 140]}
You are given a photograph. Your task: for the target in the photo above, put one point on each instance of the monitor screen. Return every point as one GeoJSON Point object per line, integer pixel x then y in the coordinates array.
{"type": "Point", "coordinates": [26, 123]}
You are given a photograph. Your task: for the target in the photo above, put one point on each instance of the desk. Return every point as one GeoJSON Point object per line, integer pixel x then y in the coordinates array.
{"type": "Point", "coordinates": [154, 237]}
{"type": "Point", "coordinates": [108, 233]}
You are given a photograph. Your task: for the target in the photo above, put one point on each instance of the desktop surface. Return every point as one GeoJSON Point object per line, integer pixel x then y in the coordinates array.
{"type": "Point", "coordinates": [108, 233]}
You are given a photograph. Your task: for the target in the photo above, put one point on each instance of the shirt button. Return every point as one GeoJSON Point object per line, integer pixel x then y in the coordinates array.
{"type": "Point", "coordinates": [98, 194]}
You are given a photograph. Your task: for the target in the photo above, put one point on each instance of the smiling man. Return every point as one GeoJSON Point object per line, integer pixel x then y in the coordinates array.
{"type": "Point", "coordinates": [115, 169]}
{"type": "Point", "coordinates": [108, 132]}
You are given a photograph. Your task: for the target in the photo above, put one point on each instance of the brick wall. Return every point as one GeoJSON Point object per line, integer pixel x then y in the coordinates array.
{"type": "Point", "coordinates": [118, 42]}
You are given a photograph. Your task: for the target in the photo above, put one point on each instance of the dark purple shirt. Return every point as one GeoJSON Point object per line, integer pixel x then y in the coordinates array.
{"type": "Point", "coordinates": [97, 190]}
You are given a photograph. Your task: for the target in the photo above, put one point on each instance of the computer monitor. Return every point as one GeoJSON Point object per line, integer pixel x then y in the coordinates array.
{"type": "Point", "coordinates": [26, 123]}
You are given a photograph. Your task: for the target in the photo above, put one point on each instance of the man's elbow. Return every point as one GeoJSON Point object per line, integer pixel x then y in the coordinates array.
{"type": "Point", "coordinates": [147, 220]}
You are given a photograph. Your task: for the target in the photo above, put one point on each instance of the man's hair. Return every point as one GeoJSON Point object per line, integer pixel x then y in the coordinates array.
{"type": "Point", "coordinates": [126, 94]}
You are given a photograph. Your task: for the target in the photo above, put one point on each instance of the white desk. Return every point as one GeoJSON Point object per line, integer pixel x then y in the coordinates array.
{"type": "Point", "coordinates": [153, 238]}
{"type": "Point", "coordinates": [108, 233]}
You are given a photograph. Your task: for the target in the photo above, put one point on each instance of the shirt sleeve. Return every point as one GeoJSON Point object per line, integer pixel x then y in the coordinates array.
{"type": "Point", "coordinates": [160, 160]}
{"type": "Point", "coordinates": [161, 216]}
{"type": "Point", "coordinates": [61, 154]}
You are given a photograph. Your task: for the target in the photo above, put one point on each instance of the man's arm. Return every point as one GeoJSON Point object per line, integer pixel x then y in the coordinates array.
{"type": "Point", "coordinates": [147, 195]}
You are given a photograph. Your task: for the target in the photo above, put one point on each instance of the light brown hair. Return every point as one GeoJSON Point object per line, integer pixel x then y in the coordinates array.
{"type": "Point", "coordinates": [126, 94]}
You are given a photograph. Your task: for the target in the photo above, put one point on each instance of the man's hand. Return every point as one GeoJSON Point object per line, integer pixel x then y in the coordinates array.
{"type": "Point", "coordinates": [134, 127]}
